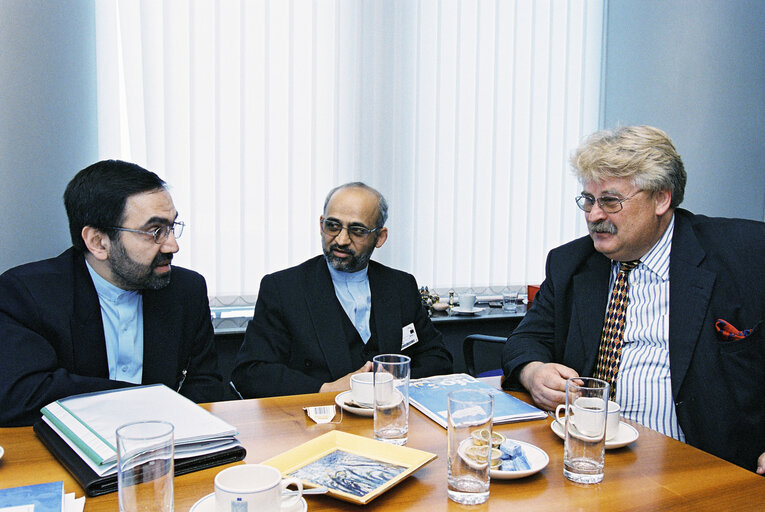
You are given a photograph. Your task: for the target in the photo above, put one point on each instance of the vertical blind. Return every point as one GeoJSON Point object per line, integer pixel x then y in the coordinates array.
{"type": "Point", "coordinates": [461, 112]}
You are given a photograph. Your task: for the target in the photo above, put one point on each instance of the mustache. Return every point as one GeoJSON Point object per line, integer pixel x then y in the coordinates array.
{"type": "Point", "coordinates": [601, 226]}
{"type": "Point", "coordinates": [162, 259]}
{"type": "Point", "coordinates": [346, 250]}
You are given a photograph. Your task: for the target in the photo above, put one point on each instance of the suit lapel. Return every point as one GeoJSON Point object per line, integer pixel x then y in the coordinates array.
{"type": "Point", "coordinates": [690, 290]}
{"type": "Point", "coordinates": [86, 325]}
{"type": "Point", "coordinates": [590, 292]}
{"type": "Point", "coordinates": [386, 308]}
{"type": "Point", "coordinates": [324, 311]}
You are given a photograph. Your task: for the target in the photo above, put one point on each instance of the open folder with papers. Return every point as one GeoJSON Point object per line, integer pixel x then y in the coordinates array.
{"type": "Point", "coordinates": [81, 431]}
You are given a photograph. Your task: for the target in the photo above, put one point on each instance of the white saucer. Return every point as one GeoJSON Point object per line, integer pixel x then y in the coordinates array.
{"type": "Point", "coordinates": [340, 400]}
{"type": "Point", "coordinates": [1, 452]}
{"type": "Point", "coordinates": [627, 434]}
{"type": "Point", "coordinates": [461, 311]}
{"type": "Point", "coordinates": [537, 457]}
{"type": "Point", "coordinates": [207, 504]}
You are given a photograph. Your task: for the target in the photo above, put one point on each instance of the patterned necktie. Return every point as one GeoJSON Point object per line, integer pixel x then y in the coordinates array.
{"type": "Point", "coordinates": [610, 350]}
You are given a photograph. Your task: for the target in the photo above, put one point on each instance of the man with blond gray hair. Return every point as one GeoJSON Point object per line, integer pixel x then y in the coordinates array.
{"type": "Point", "coordinates": [661, 303]}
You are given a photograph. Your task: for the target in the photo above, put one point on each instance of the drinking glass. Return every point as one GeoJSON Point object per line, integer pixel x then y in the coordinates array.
{"type": "Point", "coordinates": [585, 427]}
{"type": "Point", "coordinates": [510, 301]}
{"type": "Point", "coordinates": [391, 415]}
{"type": "Point", "coordinates": [468, 411]}
{"type": "Point", "coordinates": [145, 466]}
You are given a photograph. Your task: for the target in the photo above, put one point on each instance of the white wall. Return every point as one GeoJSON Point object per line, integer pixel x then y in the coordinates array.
{"type": "Point", "coordinates": [47, 120]}
{"type": "Point", "coordinates": [696, 69]}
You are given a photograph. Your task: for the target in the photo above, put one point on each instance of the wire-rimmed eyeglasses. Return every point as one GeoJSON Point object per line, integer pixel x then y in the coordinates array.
{"type": "Point", "coordinates": [355, 232]}
{"type": "Point", "coordinates": [160, 233]}
{"type": "Point", "coordinates": [609, 204]}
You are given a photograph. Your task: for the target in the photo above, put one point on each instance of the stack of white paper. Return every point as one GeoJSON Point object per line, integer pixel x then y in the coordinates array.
{"type": "Point", "coordinates": [88, 423]}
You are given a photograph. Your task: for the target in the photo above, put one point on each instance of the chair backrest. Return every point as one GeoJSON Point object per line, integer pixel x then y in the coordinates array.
{"type": "Point", "coordinates": [468, 352]}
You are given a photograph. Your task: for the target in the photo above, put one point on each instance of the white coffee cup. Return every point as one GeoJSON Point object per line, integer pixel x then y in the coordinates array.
{"type": "Point", "coordinates": [363, 391]}
{"type": "Point", "coordinates": [613, 420]}
{"type": "Point", "coordinates": [467, 301]}
{"type": "Point", "coordinates": [258, 486]}
{"type": "Point", "coordinates": [587, 417]}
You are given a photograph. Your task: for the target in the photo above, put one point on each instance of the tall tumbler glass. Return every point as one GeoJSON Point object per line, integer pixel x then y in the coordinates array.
{"type": "Point", "coordinates": [145, 466]}
{"type": "Point", "coordinates": [391, 389]}
{"type": "Point", "coordinates": [585, 426]}
{"type": "Point", "coordinates": [468, 472]}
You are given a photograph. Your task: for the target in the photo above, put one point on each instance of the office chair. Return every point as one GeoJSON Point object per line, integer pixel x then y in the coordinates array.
{"type": "Point", "coordinates": [469, 355]}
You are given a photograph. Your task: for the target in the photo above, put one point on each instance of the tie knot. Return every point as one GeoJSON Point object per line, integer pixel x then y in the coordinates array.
{"type": "Point", "coordinates": [626, 266]}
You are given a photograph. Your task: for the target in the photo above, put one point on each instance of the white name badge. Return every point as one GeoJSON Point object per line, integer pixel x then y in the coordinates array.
{"type": "Point", "coordinates": [408, 336]}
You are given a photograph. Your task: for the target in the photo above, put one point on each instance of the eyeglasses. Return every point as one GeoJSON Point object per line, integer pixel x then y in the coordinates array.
{"type": "Point", "coordinates": [357, 233]}
{"type": "Point", "coordinates": [159, 233]}
{"type": "Point", "coordinates": [609, 204]}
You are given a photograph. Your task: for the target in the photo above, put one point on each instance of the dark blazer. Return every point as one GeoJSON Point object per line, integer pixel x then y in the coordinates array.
{"type": "Point", "coordinates": [716, 271]}
{"type": "Point", "coordinates": [296, 341]}
{"type": "Point", "coordinates": [53, 343]}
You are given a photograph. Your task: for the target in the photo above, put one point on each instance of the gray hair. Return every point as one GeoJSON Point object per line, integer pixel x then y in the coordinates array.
{"type": "Point", "coordinates": [382, 204]}
{"type": "Point", "coordinates": [643, 154]}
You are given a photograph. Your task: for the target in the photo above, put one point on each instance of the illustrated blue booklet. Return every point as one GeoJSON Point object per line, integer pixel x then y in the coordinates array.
{"type": "Point", "coordinates": [48, 497]}
{"type": "Point", "coordinates": [429, 396]}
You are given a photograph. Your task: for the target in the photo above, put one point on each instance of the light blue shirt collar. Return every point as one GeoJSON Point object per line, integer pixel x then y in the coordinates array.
{"type": "Point", "coordinates": [352, 290]}
{"type": "Point", "coordinates": [122, 316]}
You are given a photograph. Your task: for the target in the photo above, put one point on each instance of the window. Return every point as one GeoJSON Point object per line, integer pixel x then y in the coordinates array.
{"type": "Point", "coordinates": [462, 113]}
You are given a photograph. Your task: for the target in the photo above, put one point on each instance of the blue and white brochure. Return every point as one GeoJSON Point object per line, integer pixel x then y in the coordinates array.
{"type": "Point", "coordinates": [429, 395]}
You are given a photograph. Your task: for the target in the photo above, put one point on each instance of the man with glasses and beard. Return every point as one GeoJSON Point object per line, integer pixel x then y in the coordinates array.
{"type": "Point", "coordinates": [110, 311]}
{"type": "Point", "coordinates": [666, 306]}
{"type": "Point", "coordinates": [320, 322]}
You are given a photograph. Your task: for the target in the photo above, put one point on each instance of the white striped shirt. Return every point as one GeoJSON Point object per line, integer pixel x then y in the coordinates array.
{"type": "Point", "coordinates": [644, 386]}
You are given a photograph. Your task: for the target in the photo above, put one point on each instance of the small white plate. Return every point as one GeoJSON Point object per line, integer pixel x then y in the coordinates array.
{"type": "Point", "coordinates": [207, 504]}
{"type": "Point", "coordinates": [627, 434]}
{"type": "Point", "coordinates": [345, 396]}
{"type": "Point", "coordinates": [461, 311]}
{"type": "Point", "coordinates": [1, 452]}
{"type": "Point", "coordinates": [537, 457]}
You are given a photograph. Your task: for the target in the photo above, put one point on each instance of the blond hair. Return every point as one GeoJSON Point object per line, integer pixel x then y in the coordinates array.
{"type": "Point", "coordinates": [643, 154]}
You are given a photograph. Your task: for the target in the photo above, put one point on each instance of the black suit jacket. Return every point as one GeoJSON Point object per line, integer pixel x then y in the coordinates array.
{"type": "Point", "coordinates": [296, 341]}
{"type": "Point", "coordinates": [716, 271]}
{"type": "Point", "coordinates": [53, 343]}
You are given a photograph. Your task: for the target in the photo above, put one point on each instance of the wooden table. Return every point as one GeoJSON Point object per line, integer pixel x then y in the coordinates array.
{"type": "Point", "coordinates": [654, 473]}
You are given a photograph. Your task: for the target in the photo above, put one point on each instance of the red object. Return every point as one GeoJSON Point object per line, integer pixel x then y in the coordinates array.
{"type": "Point", "coordinates": [727, 332]}
{"type": "Point", "coordinates": [532, 291]}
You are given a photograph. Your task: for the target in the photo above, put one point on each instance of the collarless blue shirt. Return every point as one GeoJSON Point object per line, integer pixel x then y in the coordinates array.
{"type": "Point", "coordinates": [122, 315]}
{"type": "Point", "coordinates": [352, 290]}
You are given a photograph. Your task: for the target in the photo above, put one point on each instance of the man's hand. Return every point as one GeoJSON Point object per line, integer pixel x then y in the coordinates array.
{"type": "Point", "coordinates": [546, 382]}
{"type": "Point", "coordinates": [344, 382]}
{"type": "Point", "coordinates": [761, 464]}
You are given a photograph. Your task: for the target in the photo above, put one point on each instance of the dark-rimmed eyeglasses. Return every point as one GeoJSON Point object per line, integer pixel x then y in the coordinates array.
{"type": "Point", "coordinates": [355, 232]}
{"type": "Point", "coordinates": [159, 233]}
{"type": "Point", "coordinates": [609, 204]}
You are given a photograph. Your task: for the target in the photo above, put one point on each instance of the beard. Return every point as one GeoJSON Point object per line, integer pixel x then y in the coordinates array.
{"type": "Point", "coordinates": [132, 275]}
{"type": "Point", "coordinates": [602, 226]}
{"type": "Point", "coordinates": [355, 262]}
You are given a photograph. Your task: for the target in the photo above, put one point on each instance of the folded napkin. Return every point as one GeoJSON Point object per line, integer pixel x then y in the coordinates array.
{"type": "Point", "coordinates": [726, 331]}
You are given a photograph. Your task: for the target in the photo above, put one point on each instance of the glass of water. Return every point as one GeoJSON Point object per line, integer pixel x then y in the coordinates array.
{"type": "Point", "coordinates": [585, 426]}
{"type": "Point", "coordinates": [145, 471]}
{"type": "Point", "coordinates": [391, 390]}
{"type": "Point", "coordinates": [510, 301]}
{"type": "Point", "coordinates": [470, 414]}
